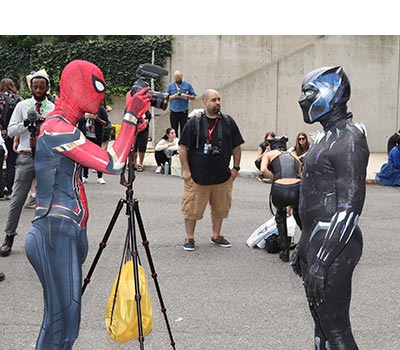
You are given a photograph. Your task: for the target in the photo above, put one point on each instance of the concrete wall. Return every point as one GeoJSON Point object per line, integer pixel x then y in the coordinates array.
{"type": "Point", "coordinates": [259, 78]}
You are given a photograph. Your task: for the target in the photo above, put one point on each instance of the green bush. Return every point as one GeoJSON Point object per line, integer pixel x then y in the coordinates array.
{"type": "Point", "coordinates": [117, 57]}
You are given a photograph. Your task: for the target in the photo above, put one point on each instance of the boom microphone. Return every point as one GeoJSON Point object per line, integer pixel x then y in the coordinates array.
{"type": "Point", "coordinates": [152, 68]}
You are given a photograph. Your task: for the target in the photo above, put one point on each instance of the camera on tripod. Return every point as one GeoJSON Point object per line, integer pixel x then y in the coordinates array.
{"type": "Point", "coordinates": [158, 99]}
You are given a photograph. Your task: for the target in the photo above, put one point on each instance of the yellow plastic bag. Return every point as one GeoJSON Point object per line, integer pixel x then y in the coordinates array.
{"type": "Point", "coordinates": [122, 322]}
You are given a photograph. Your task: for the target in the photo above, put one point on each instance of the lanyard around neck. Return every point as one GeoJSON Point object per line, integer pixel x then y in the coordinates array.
{"type": "Point", "coordinates": [211, 130]}
{"type": "Point", "coordinates": [42, 107]}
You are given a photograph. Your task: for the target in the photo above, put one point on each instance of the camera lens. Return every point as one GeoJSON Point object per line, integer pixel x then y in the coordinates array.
{"type": "Point", "coordinates": [215, 153]}
{"type": "Point", "coordinates": [159, 100]}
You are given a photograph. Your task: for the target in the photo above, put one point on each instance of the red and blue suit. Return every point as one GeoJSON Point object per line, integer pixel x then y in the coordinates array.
{"type": "Point", "coordinates": [56, 244]}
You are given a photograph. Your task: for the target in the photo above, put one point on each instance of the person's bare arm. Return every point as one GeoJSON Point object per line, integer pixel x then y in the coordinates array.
{"type": "Point", "coordinates": [185, 163]}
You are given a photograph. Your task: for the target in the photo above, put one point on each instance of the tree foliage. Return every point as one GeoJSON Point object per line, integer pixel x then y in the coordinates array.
{"type": "Point", "coordinates": [117, 56]}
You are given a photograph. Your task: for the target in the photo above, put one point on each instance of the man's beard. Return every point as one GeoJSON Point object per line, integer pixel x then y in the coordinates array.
{"type": "Point", "coordinates": [213, 111]}
{"type": "Point", "coordinates": [39, 97]}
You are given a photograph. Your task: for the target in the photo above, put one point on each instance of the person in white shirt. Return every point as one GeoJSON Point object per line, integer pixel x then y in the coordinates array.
{"type": "Point", "coordinates": [165, 148]}
{"type": "Point", "coordinates": [38, 107]}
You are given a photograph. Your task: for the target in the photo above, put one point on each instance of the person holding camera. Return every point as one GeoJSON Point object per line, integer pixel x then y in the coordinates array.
{"type": "Point", "coordinates": [180, 93]}
{"type": "Point", "coordinates": [25, 122]}
{"type": "Point", "coordinates": [284, 169]}
{"type": "Point", "coordinates": [56, 245]}
{"type": "Point", "coordinates": [206, 146]}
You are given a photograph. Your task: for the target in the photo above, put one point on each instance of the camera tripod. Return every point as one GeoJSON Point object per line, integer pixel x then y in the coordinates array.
{"type": "Point", "coordinates": [132, 211]}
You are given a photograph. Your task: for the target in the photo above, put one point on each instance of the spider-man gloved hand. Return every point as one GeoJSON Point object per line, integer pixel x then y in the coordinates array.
{"type": "Point", "coordinates": [139, 103]}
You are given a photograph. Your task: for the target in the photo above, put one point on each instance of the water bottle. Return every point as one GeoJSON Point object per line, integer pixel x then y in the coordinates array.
{"type": "Point", "coordinates": [166, 168]}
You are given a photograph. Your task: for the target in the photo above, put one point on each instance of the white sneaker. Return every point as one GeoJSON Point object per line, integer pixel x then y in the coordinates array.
{"type": "Point", "coordinates": [158, 170]}
{"type": "Point", "coordinates": [85, 180]}
{"type": "Point", "coordinates": [101, 181]}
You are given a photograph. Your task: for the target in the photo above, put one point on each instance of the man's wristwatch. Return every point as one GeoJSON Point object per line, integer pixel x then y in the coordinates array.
{"type": "Point", "coordinates": [236, 168]}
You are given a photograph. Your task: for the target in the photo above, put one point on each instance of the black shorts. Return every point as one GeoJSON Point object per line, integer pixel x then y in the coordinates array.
{"type": "Point", "coordinates": [141, 141]}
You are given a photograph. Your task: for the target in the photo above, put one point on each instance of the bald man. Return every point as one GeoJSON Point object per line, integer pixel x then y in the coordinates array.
{"type": "Point", "coordinates": [207, 144]}
{"type": "Point", "coordinates": [180, 92]}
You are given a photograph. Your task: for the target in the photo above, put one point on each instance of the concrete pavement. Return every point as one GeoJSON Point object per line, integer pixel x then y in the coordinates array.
{"type": "Point", "coordinates": [216, 298]}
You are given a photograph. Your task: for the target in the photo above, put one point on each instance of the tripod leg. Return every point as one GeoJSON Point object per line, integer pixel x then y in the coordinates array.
{"type": "Point", "coordinates": [103, 243]}
{"type": "Point", "coordinates": [135, 256]}
{"type": "Point", "coordinates": [145, 243]}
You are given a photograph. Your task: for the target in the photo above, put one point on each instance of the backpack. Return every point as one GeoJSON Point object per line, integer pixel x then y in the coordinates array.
{"type": "Point", "coordinates": [7, 105]}
{"type": "Point", "coordinates": [198, 116]}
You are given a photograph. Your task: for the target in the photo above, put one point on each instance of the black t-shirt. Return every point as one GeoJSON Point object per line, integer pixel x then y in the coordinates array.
{"type": "Point", "coordinates": [205, 168]}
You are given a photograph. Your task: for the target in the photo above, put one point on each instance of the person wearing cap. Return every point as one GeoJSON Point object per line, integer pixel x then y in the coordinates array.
{"type": "Point", "coordinates": [37, 107]}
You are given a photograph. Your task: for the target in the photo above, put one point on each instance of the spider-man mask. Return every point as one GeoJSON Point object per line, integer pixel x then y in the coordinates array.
{"type": "Point", "coordinates": [82, 89]}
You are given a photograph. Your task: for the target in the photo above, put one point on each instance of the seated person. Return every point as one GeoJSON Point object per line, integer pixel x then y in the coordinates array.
{"type": "Point", "coordinates": [392, 141]}
{"type": "Point", "coordinates": [389, 175]}
{"type": "Point", "coordinates": [262, 148]}
{"type": "Point", "coordinates": [302, 146]}
{"type": "Point", "coordinates": [165, 148]}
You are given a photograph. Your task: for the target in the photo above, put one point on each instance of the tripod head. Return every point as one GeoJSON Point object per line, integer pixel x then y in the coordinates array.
{"type": "Point", "coordinates": [128, 180]}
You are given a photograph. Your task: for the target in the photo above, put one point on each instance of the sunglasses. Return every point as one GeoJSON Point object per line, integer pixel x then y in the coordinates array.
{"type": "Point", "coordinates": [301, 138]}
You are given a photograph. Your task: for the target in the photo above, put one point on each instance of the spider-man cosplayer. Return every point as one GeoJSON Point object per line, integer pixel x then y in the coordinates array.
{"type": "Point", "coordinates": [57, 244]}
{"type": "Point", "coordinates": [331, 200]}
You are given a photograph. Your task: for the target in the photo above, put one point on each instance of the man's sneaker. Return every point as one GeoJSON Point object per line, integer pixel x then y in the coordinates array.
{"type": "Point", "coordinates": [30, 203]}
{"type": "Point", "coordinates": [189, 244]}
{"type": "Point", "coordinates": [85, 180]}
{"type": "Point", "coordinates": [221, 241]}
{"type": "Point", "coordinates": [159, 169]}
{"type": "Point", "coordinates": [5, 248]}
{"type": "Point", "coordinates": [101, 181]}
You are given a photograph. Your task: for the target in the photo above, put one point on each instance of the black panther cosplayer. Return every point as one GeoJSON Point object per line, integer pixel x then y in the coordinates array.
{"type": "Point", "coordinates": [331, 200]}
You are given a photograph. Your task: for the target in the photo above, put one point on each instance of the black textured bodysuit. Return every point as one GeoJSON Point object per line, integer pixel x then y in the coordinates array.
{"type": "Point", "coordinates": [331, 201]}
